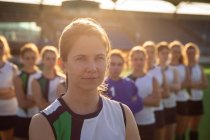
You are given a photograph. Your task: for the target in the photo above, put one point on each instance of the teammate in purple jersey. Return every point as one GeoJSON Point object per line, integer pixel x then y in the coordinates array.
{"type": "Point", "coordinates": [120, 89]}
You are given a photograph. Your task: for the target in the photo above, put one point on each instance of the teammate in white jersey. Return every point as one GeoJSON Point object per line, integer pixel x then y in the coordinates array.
{"type": "Point", "coordinates": [158, 73]}
{"type": "Point", "coordinates": [148, 90]}
{"type": "Point", "coordinates": [169, 102]}
{"type": "Point", "coordinates": [182, 96]}
{"type": "Point", "coordinates": [8, 101]}
{"type": "Point", "coordinates": [26, 106]}
{"type": "Point", "coordinates": [45, 86]}
{"type": "Point", "coordinates": [84, 48]}
{"type": "Point", "coordinates": [198, 81]}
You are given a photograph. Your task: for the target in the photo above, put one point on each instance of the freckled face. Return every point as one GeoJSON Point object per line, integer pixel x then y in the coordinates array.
{"type": "Point", "coordinates": [86, 63]}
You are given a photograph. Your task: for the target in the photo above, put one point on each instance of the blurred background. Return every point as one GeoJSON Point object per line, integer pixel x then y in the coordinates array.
{"type": "Point", "coordinates": [127, 22]}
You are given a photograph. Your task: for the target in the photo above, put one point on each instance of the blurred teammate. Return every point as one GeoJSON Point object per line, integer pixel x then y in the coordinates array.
{"type": "Point", "coordinates": [198, 81]}
{"type": "Point", "coordinates": [148, 90]}
{"type": "Point", "coordinates": [26, 106]}
{"type": "Point", "coordinates": [182, 96]}
{"type": "Point", "coordinates": [8, 100]}
{"type": "Point", "coordinates": [45, 87]}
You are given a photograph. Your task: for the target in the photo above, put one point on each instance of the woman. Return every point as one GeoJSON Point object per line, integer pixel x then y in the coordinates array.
{"type": "Point", "coordinates": [198, 81]}
{"type": "Point", "coordinates": [174, 85]}
{"type": "Point", "coordinates": [8, 100]}
{"type": "Point", "coordinates": [148, 90]}
{"type": "Point", "coordinates": [119, 89]}
{"type": "Point", "coordinates": [45, 87]}
{"type": "Point", "coordinates": [157, 73]}
{"type": "Point", "coordinates": [81, 113]}
{"type": "Point", "coordinates": [26, 106]}
{"type": "Point", "coordinates": [182, 96]}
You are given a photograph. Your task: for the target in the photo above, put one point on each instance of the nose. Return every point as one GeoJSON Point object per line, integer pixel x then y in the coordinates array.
{"type": "Point", "coordinates": [91, 66]}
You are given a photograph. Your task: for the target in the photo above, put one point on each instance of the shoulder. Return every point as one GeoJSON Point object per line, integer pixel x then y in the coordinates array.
{"type": "Point", "coordinates": [40, 128]}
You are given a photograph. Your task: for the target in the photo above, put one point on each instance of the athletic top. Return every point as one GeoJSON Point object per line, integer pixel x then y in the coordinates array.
{"type": "Point", "coordinates": [49, 86]}
{"type": "Point", "coordinates": [124, 91]}
{"type": "Point", "coordinates": [171, 100]}
{"type": "Point", "coordinates": [27, 79]}
{"type": "Point", "coordinates": [156, 72]}
{"type": "Point", "coordinates": [196, 75]}
{"type": "Point", "coordinates": [7, 72]}
{"type": "Point", "coordinates": [107, 123]}
{"type": "Point", "coordinates": [145, 87]}
{"type": "Point", "coordinates": [182, 94]}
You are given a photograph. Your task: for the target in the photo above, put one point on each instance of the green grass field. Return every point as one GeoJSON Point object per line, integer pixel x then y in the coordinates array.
{"type": "Point", "coordinates": [204, 128]}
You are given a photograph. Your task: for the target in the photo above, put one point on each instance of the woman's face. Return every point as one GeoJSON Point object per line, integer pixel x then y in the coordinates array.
{"type": "Point", "coordinates": [176, 52]}
{"type": "Point", "coordinates": [151, 53]}
{"type": "Point", "coordinates": [138, 60]}
{"type": "Point", "coordinates": [163, 55]}
{"type": "Point", "coordinates": [29, 59]}
{"type": "Point", "coordinates": [191, 54]}
{"type": "Point", "coordinates": [116, 66]}
{"type": "Point", "coordinates": [86, 63]}
{"type": "Point", "coordinates": [49, 59]}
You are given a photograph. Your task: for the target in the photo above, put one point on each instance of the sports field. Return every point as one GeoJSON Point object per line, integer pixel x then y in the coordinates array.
{"type": "Point", "coordinates": [205, 123]}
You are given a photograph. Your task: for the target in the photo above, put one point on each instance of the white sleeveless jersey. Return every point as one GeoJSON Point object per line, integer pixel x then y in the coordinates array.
{"type": "Point", "coordinates": [7, 72]}
{"type": "Point", "coordinates": [145, 87]}
{"type": "Point", "coordinates": [196, 75]}
{"type": "Point", "coordinates": [27, 79]}
{"type": "Point", "coordinates": [182, 94]}
{"type": "Point", "coordinates": [171, 100]}
{"type": "Point", "coordinates": [49, 87]}
{"type": "Point", "coordinates": [107, 123]}
{"type": "Point", "coordinates": [157, 74]}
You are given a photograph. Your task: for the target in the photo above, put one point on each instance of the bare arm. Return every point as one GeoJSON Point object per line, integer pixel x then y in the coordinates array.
{"type": "Point", "coordinates": [165, 89]}
{"type": "Point", "coordinates": [131, 126]}
{"type": "Point", "coordinates": [176, 83]}
{"type": "Point", "coordinates": [37, 95]}
{"type": "Point", "coordinates": [203, 83]}
{"type": "Point", "coordinates": [40, 129]}
{"type": "Point", "coordinates": [154, 98]}
{"type": "Point", "coordinates": [23, 100]}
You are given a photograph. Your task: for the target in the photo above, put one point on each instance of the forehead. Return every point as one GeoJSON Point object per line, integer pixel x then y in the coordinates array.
{"type": "Point", "coordinates": [86, 45]}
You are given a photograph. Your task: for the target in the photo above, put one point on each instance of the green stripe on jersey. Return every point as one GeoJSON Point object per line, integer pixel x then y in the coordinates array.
{"type": "Point", "coordinates": [63, 123]}
{"type": "Point", "coordinates": [43, 84]}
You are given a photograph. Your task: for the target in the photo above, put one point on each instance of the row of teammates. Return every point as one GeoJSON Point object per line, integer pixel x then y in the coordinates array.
{"type": "Point", "coordinates": [27, 90]}
{"type": "Point", "coordinates": [164, 90]}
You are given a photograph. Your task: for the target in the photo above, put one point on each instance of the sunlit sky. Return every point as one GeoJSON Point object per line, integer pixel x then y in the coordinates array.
{"type": "Point", "coordinates": [140, 5]}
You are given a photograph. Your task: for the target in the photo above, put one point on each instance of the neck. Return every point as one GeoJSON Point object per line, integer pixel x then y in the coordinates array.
{"type": "Point", "coordinates": [138, 73]}
{"type": "Point", "coordinates": [29, 69]}
{"type": "Point", "coordinates": [192, 63]}
{"type": "Point", "coordinates": [114, 78]}
{"type": "Point", "coordinates": [174, 62]}
{"type": "Point", "coordinates": [49, 73]}
{"type": "Point", "coordinates": [163, 65]}
{"type": "Point", "coordinates": [81, 101]}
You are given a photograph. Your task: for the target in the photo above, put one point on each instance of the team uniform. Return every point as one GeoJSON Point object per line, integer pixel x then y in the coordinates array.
{"type": "Point", "coordinates": [145, 118]}
{"type": "Point", "coordinates": [170, 102]}
{"type": "Point", "coordinates": [49, 86]}
{"type": "Point", "coordinates": [124, 91]}
{"type": "Point", "coordinates": [107, 123]}
{"type": "Point", "coordinates": [24, 115]}
{"type": "Point", "coordinates": [182, 96]}
{"type": "Point", "coordinates": [195, 103]}
{"type": "Point", "coordinates": [156, 72]}
{"type": "Point", "coordinates": [8, 107]}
